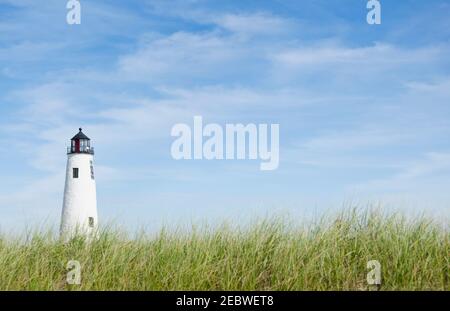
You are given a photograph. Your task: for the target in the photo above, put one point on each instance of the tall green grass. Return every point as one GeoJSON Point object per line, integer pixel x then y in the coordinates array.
{"type": "Point", "coordinates": [268, 255]}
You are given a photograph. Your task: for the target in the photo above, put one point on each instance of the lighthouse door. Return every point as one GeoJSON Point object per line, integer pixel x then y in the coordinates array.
{"type": "Point", "coordinates": [77, 145]}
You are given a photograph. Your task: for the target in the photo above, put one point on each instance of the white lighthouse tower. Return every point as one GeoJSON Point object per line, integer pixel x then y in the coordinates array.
{"type": "Point", "coordinates": [79, 213]}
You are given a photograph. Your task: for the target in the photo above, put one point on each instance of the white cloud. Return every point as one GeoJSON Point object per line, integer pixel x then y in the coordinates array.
{"type": "Point", "coordinates": [249, 24]}
{"type": "Point", "coordinates": [436, 88]}
{"type": "Point", "coordinates": [254, 24]}
{"type": "Point", "coordinates": [433, 162]}
{"type": "Point", "coordinates": [368, 137]}
{"type": "Point", "coordinates": [412, 176]}
{"type": "Point", "coordinates": [46, 104]}
{"type": "Point", "coordinates": [182, 56]}
{"type": "Point", "coordinates": [374, 55]}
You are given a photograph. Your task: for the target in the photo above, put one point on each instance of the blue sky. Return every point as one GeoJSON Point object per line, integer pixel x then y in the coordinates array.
{"type": "Point", "coordinates": [363, 110]}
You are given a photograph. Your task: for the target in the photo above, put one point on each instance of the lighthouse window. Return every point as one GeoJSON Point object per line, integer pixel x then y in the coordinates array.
{"type": "Point", "coordinates": [75, 172]}
{"type": "Point", "coordinates": [92, 171]}
{"type": "Point", "coordinates": [91, 222]}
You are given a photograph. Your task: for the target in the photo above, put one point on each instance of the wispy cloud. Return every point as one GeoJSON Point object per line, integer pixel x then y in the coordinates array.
{"type": "Point", "coordinates": [411, 175]}
{"type": "Point", "coordinates": [375, 55]}
{"type": "Point", "coordinates": [254, 24]}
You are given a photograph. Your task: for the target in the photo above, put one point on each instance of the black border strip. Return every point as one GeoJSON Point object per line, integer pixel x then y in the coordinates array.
{"type": "Point", "coordinates": [281, 300]}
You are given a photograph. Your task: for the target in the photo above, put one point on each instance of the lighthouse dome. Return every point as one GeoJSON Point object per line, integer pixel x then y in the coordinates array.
{"type": "Point", "coordinates": [80, 135]}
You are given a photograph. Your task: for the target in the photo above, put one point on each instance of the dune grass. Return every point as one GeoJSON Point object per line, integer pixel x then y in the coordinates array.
{"type": "Point", "coordinates": [268, 255]}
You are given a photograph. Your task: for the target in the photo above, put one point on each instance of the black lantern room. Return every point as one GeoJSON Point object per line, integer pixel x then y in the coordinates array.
{"type": "Point", "coordinates": [80, 143]}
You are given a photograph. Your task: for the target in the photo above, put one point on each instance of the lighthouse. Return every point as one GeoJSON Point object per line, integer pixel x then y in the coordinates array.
{"type": "Point", "coordinates": [79, 213]}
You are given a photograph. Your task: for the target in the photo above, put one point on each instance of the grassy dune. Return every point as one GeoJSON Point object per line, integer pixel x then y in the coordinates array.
{"type": "Point", "coordinates": [268, 255]}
